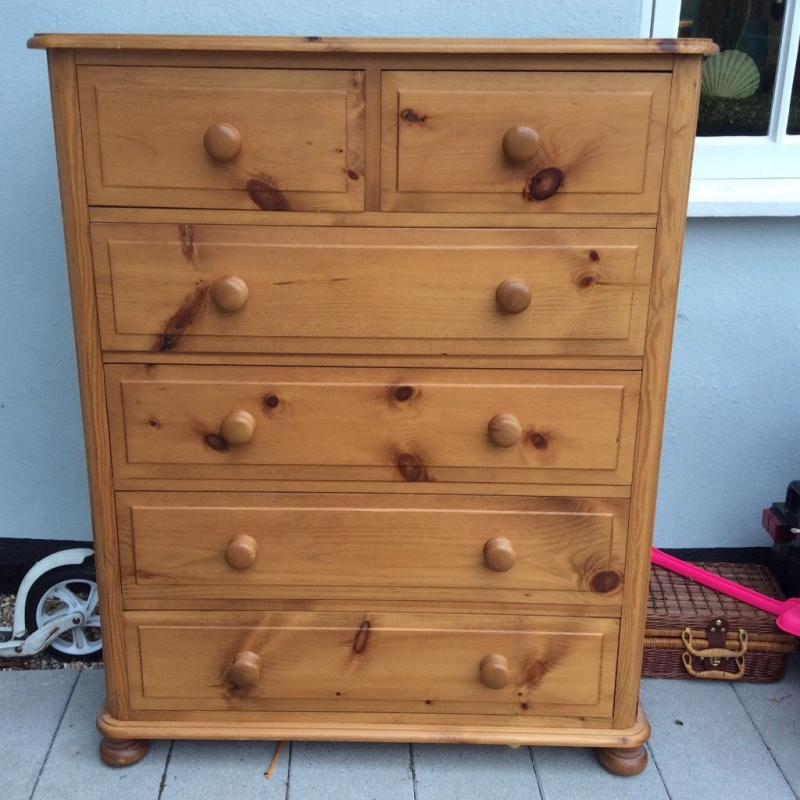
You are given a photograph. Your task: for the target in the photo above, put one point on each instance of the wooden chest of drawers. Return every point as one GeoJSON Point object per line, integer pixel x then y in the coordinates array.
{"type": "Point", "coordinates": [373, 339]}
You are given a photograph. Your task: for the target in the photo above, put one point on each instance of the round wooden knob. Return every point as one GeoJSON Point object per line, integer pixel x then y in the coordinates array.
{"type": "Point", "coordinates": [505, 430]}
{"type": "Point", "coordinates": [520, 143]}
{"type": "Point", "coordinates": [245, 670]}
{"type": "Point", "coordinates": [241, 551]}
{"type": "Point", "coordinates": [229, 294]}
{"type": "Point", "coordinates": [512, 296]}
{"type": "Point", "coordinates": [222, 141]}
{"type": "Point", "coordinates": [238, 427]}
{"type": "Point", "coordinates": [499, 555]}
{"type": "Point", "coordinates": [494, 671]}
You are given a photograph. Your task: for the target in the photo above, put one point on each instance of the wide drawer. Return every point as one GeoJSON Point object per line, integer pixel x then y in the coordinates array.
{"type": "Point", "coordinates": [226, 288]}
{"type": "Point", "coordinates": [223, 138]}
{"type": "Point", "coordinates": [523, 141]}
{"type": "Point", "coordinates": [306, 423]}
{"type": "Point", "coordinates": [382, 662]}
{"type": "Point", "coordinates": [311, 546]}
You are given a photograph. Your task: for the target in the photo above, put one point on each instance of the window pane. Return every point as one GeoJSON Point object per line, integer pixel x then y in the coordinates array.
{"type": "Point", "coordinates": [738, 83]}
{"type": "Point", "coordinates": [794, 107]}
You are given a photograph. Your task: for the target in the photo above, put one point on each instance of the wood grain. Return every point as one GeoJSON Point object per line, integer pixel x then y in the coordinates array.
{"type": "Point", "coordinates": [373, 662]}
{"type": "Point", "coordinates": [322, 290]}
{"type": "Point", "coordinates": [319, 44]}
{"type": "Point", "coordinates": [655, 375]}
{"type": "Point", "coordinates": [442, 137]}
{"type": "Point", "coordinates": [302, 135]}
{"type": "Point", "coordinates": [64, 94]}
{"type": "Point", "coordinates": [415, 426]}
{"type": "Point", "coordinates": [315, 546]}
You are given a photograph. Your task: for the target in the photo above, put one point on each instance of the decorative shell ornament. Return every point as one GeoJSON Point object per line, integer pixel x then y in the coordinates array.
{"type": "Point", "coordinates": [730, 73]}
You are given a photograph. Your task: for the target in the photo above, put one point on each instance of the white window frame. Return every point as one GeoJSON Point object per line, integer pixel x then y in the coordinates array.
{"type": "Point", "coordinates": [743, 176]}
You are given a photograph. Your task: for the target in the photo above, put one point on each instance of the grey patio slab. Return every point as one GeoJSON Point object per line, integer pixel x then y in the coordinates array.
{"type": "Point", "coordinates": [450, 772]}
{"type": "Point", "coordinates": [32, 705]}
{"type": "Point", "coordinates": [73, 770]}
{"type": "Point", "coordinates": [214, 769]}
{"type": "Point", "coordinates": [350, 771]}
{"type": "Point", "coordinates": [774, 709]}
{"type": "Point", "coordinates": [567, 773]}
{"type": "Point", "coordinates": [703, 737]}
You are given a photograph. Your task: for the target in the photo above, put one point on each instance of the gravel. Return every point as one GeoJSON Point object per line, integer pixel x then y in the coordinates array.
{"type": "Point", "coordinates": [45, 659]}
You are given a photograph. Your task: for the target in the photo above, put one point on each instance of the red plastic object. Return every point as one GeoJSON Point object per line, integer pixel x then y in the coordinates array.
{"type": "Point", "coordinates": [776, 527]}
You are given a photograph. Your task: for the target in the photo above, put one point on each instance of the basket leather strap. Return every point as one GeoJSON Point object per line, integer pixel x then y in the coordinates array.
{"type": "Point", "coordinates": [717, 654]}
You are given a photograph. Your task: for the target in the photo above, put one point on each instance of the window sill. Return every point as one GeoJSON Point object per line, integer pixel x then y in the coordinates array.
{"type": "Point", "coordinates": [745, 197]}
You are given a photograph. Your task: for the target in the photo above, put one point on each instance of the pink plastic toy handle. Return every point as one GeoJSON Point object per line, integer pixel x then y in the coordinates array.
{"type": "Point", "coordinates": [735, 590]}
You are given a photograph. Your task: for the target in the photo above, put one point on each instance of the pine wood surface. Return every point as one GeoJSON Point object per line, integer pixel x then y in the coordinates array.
{"type": "Point", "coordinates": [317, 44]}
{"type": "Point", "coordinates": [376, 662]}
{"type": "Point", "coordinates": [409, 422]}
{"type": "Point", "coordinates": [442, 135]}
{"type": "Point", "coordinates": [323, 290]}
{"type": "Point", "coordinates": [316, 546]}
{"type": "Point", "coordinates": [372, 424]}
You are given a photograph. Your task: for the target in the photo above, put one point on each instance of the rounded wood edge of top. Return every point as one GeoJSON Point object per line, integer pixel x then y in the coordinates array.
{"type": "Point", "coordinates": [323, 44]}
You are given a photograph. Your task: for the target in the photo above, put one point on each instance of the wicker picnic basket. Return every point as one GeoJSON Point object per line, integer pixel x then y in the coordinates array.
{"type": "Point", "coordinates": [692, 631]}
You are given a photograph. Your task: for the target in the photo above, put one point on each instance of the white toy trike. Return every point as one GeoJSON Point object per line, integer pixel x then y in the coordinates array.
{"type": "Point", "coordinates": [57, 606]}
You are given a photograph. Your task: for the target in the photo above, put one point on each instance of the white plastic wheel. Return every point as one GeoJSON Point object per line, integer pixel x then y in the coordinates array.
{"type": "Point", "coordinates": [78, 595]}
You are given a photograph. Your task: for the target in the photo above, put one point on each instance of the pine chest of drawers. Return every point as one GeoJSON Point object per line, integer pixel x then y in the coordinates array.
{"type": "Point", "coordinates": [373, 339]}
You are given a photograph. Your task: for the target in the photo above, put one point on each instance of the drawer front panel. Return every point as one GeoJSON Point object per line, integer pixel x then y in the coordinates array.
{"type": "Point", "coordinates": [524, 141]}
{"type": "Point", "coordinates": [372, 424]}
{"type": "Point", "coordinates": [372, 291]}
{"type": "Point", "coordinates": [524, 550]}
{"type": "Point", "coordinates": [223, 138]}
{"type": "Point", "coordinates": [296, 661]}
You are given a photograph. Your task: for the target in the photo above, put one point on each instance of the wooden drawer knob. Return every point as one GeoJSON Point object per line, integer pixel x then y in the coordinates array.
{"type": "Point", "coordinates": [505, 430]}
{"type": "Point", "coordinates": [494, 671]}
{"type": "Point", "coordinates": [238, 427]}
{"type": "Point", "coordinates": [512, 296]}
{"type": "Point", "coordinates": [222, 141]}
{"type": "Point", "coordinates": [498, 554]}
{"type": "Point", "coordinates": [520, 143]}
{"type": "Point", "coordinates": [245, 670]}
{"type": "Point", "coordinates": [241, 551]}
{"type": "Point", "coordinates": [230, 293]}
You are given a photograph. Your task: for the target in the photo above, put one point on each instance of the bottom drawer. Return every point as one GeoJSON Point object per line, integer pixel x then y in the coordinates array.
{"type": "Point", "coordinates": [395, 662]}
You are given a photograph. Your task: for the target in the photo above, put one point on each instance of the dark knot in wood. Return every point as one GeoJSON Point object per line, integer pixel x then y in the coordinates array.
{"type": "Point", "coordinates": [411, 468]}
{"type": "Point", "coordinates": [605, 581]}
{"type": "Point", "coordinates": [266, 196]}
{"type": "Point", "coordinates": [362, 637]}
{"type": "Point", "coordinates": [543, 184]}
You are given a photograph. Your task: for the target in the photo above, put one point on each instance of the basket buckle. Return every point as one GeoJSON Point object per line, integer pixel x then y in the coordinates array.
{"type": "Point", "coordinates": [713, 655]}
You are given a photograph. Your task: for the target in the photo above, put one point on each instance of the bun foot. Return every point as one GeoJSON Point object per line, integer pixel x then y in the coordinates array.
{"type": "Point", "coordinates": [123, 752]}
{"type": "Point", "coordinates": [623, 761]}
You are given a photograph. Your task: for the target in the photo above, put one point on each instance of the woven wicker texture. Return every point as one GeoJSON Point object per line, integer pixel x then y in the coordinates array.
{"type": "Point", "coordinates": [675, 603]}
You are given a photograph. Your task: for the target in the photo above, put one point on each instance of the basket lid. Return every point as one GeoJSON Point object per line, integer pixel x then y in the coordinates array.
{"type": "Point", "coordinates": [675, 601]}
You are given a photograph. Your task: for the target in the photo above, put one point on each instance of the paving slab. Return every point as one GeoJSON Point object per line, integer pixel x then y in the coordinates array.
{"type": "Point", "coordinates": [350, 771]}
{"type": "Point", "coordinates": [455, 772]}
{"type": "Point", "coordinates": [214, 769]}
{"type": "Point", "coordinates": [703, 737]}
{"type": "Point", "coordinates": [567, 773]}
{"type": "Point", "coordinates": [73, 769]}
{"type": "Point", "coordinates": [774, 708]}
{"type": "Point", "coordinates": [32, 706]}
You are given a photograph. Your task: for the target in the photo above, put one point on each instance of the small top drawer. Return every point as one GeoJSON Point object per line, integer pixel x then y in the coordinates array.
{"type": "Point", "coordinates": [523, 141]}
{"type": "Point", "coordinates": [223, 138]}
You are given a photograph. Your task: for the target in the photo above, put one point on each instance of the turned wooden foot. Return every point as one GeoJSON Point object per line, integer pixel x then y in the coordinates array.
{"type": "Point", "coordinates": [123, 752]}
{"type": "Point", "coordinates": [623, 761]}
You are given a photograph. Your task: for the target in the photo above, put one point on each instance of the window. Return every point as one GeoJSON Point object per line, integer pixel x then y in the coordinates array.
{"type": "Point", "coordinates": [747, 155]}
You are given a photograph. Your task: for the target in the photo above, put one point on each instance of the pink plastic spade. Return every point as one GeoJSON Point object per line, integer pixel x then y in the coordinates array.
{"type": "Point", "coordinates": [787, 612]}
